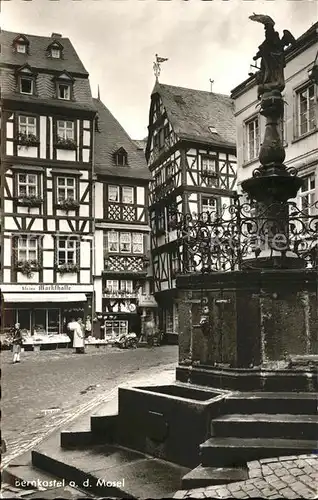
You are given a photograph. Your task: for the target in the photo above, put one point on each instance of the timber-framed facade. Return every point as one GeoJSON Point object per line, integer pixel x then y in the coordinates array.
{"type": "Point", "coordinates": [191, 155]}
{"type": "Point", "coordinates": [48, 118]}
{"type": "Point", "coordinates": [122, 278]}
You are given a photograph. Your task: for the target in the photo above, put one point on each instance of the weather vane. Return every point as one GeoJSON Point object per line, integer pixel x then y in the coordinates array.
{"type": "Point", "coordinates": [156, 65]}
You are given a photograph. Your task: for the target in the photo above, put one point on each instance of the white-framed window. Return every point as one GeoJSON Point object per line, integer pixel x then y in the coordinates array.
{"type": "Point", "coordinates": [307, 195]}
{"type": "Point", "coordinates": [112, 286]}
{"type": "Point", "coordinates": [27, 184]}
{"type": "Point", "coordinates": [27, 124]}
{"type": "Point", "coordinates": [113, 241]}
{"type": "Point", "coordinates": [113, 193]}
{"type": "Point", "coordinates": [138, 243]}
{"type": "Point", "coordinates": [66, 188]}
{"type": "Point", "coordinates": [21, 48]}
{"type": "Point", "coordinates": [208, 204]}
{"type": "Point", "coordinates": [125, 242]}
{"type": "Point", "coordinates": [252, 139]}
{"type": "Point", "coordinates": [65, 129]}
{"type": "Point", "coordinates": [208, 164]}
{"type": "Point", "coordinates": [26, 85]}
{"type": "Point", "coordinates": [55, 53]}
{"type": "Point", "coordinates": [306, 112]}
{"type": "Point", "coordinates": [64, 91]}
{"type": "Point", "coordinates": [127, 195]}
{"type": "Point", "coordinates": [126, 286]}
{"type": "Point", "coordinates": [27, 248]}
{"type": "Point", "coordinates": [66, 251]}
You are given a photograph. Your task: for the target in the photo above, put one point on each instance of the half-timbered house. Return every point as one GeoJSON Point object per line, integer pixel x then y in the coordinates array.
{"type": "Point", "coordinates": [122, 282]}
{"type": "Point", "coordinates": [46, 184]}
{"type": "Point", "coordinates": [191, 157]}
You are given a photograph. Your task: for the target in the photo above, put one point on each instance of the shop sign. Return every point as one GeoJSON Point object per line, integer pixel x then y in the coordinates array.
{"type": "Point", "coordinates": [46, 288]}
{"type": "Point", "coordinates": [147, 301]}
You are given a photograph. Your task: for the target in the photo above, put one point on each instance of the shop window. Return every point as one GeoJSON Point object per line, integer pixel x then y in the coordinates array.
{"type": "Point", "coordinates": [40, 321]}
{"type": "Point", "coordinates": [27, 248]}
{"type": "Point", "coordinates": [53, 321]}
{"type": "Point", "coordinates": [126, 286]}
{"type": "Point", "coordinates": [27, 185]}
{"type": "Point", "coordinates": [24, 318]}
{"type": "Point", "coordinates": [66, 188]}
{"type": "Point", "coordinates": [66, 251]}
{"type": "Point", "coordinates": [113, 241]}
{"type": "Point", "coordinates": [125, 242]}
{"type": "Point", "coordinates": [111, 286]}
{"type": "Point", "coordinates": [115, 328]}
{"type": "Point", "coordinates": [138, 243]}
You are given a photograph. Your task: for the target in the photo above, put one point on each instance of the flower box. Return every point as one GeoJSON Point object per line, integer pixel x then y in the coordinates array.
{"type": "Point", "coordinates": [67, 268]}
{"type": "Point", "coordinates": [62, 143]}
{"type": "Point", "coordinates": [27, 267]}
{"type": "Point", "coordinates": [68, 204]}
{"type": "Point", "coordinates": [27, 140]}
{"type": "Point", "coordinates": [30, 201]}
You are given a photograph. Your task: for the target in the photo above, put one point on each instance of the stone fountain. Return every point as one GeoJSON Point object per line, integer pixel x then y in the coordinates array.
{"type": "Point", "coordinates": [246, 380]}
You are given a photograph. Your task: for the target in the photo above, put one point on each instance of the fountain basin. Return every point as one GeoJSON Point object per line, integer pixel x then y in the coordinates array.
{"type": "Point", "coordinates": [168, 422]}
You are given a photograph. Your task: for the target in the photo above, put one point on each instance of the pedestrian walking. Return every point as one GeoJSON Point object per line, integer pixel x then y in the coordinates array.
{"type": "Point", "coordinates": [150, 331]}
{"type": "Point", "coordinates": [17, 341]}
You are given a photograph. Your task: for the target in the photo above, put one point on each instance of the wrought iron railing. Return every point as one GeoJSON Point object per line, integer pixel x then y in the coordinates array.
{"type": "Point", "coordinates": [243, 233]}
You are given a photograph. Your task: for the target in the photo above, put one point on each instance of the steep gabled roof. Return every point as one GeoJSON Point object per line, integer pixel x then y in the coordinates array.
{"type": "Point", "coordinates": [110, 138]}
{"type": "Point", "coordinates": [37, 54]}
{"type": "Point", "coordinates": [191, 113]}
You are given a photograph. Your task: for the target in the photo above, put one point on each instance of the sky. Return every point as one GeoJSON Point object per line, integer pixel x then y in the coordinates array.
{"type": "Point", "coordinates": [117, 41]}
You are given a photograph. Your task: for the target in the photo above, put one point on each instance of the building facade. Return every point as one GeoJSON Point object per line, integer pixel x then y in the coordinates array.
{"type": "Point", "coordinates": [122, 278]}
{"type": "Point", "coordinates": [47, 128]}
{"type": "Point", "coordinates": [191, 155]}
{"type": "Point", "coordinates": [299, 129]}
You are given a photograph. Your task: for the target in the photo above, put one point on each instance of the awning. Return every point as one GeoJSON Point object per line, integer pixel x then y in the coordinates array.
{"type": "Point", "coordinates": [44, 297]}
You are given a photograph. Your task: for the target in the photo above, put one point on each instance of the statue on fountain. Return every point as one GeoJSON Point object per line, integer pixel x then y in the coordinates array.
{"type": "Point", "coordinates": [271, 52]}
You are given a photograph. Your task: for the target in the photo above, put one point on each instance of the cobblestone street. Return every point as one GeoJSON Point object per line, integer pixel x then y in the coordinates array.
{"type": "Point", "coordinates": [49, 387]}
{"type": "Point", "coordinates": [284, 477]}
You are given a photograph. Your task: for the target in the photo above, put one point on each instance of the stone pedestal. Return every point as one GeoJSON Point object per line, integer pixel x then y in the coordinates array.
{"type": "Point", "coordinates": [257, 321]}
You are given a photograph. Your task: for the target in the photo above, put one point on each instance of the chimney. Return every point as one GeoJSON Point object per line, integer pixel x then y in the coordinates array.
{"type": "Point", "coordinates": [56, 35]}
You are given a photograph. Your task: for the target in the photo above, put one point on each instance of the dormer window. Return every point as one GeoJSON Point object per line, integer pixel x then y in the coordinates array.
{"type": "Point", "coordinates": [26, 85]}
{"type": "Point", "coordinates": [21, 48]}
{"type": "Point", "coordinates": [63, 91]}
{"type": "Point", "coordinates": [55, 49]}
{"type": "Point", "coordinates": [64, 86]}
{"type": "Point", "coordinates": [26, 80]}
{"type": "Point", "coordinates": [55, 53]}
{"type": "Point", "coordinates": [20, 44]}
{"type": "Point", "coordinates": [121, 157]}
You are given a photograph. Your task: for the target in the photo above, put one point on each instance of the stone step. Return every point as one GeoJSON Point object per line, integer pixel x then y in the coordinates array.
{"type": "Point", "coordinates": [266, 426]}
{"type": "Point", "coordinates": [207, 476]}
{"type": "Point", "coordinates": [233, 451]}
{"type": "Point", "coordinates": [110, 470]}
{"type": "Point", "coordinates": [271, 402]}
